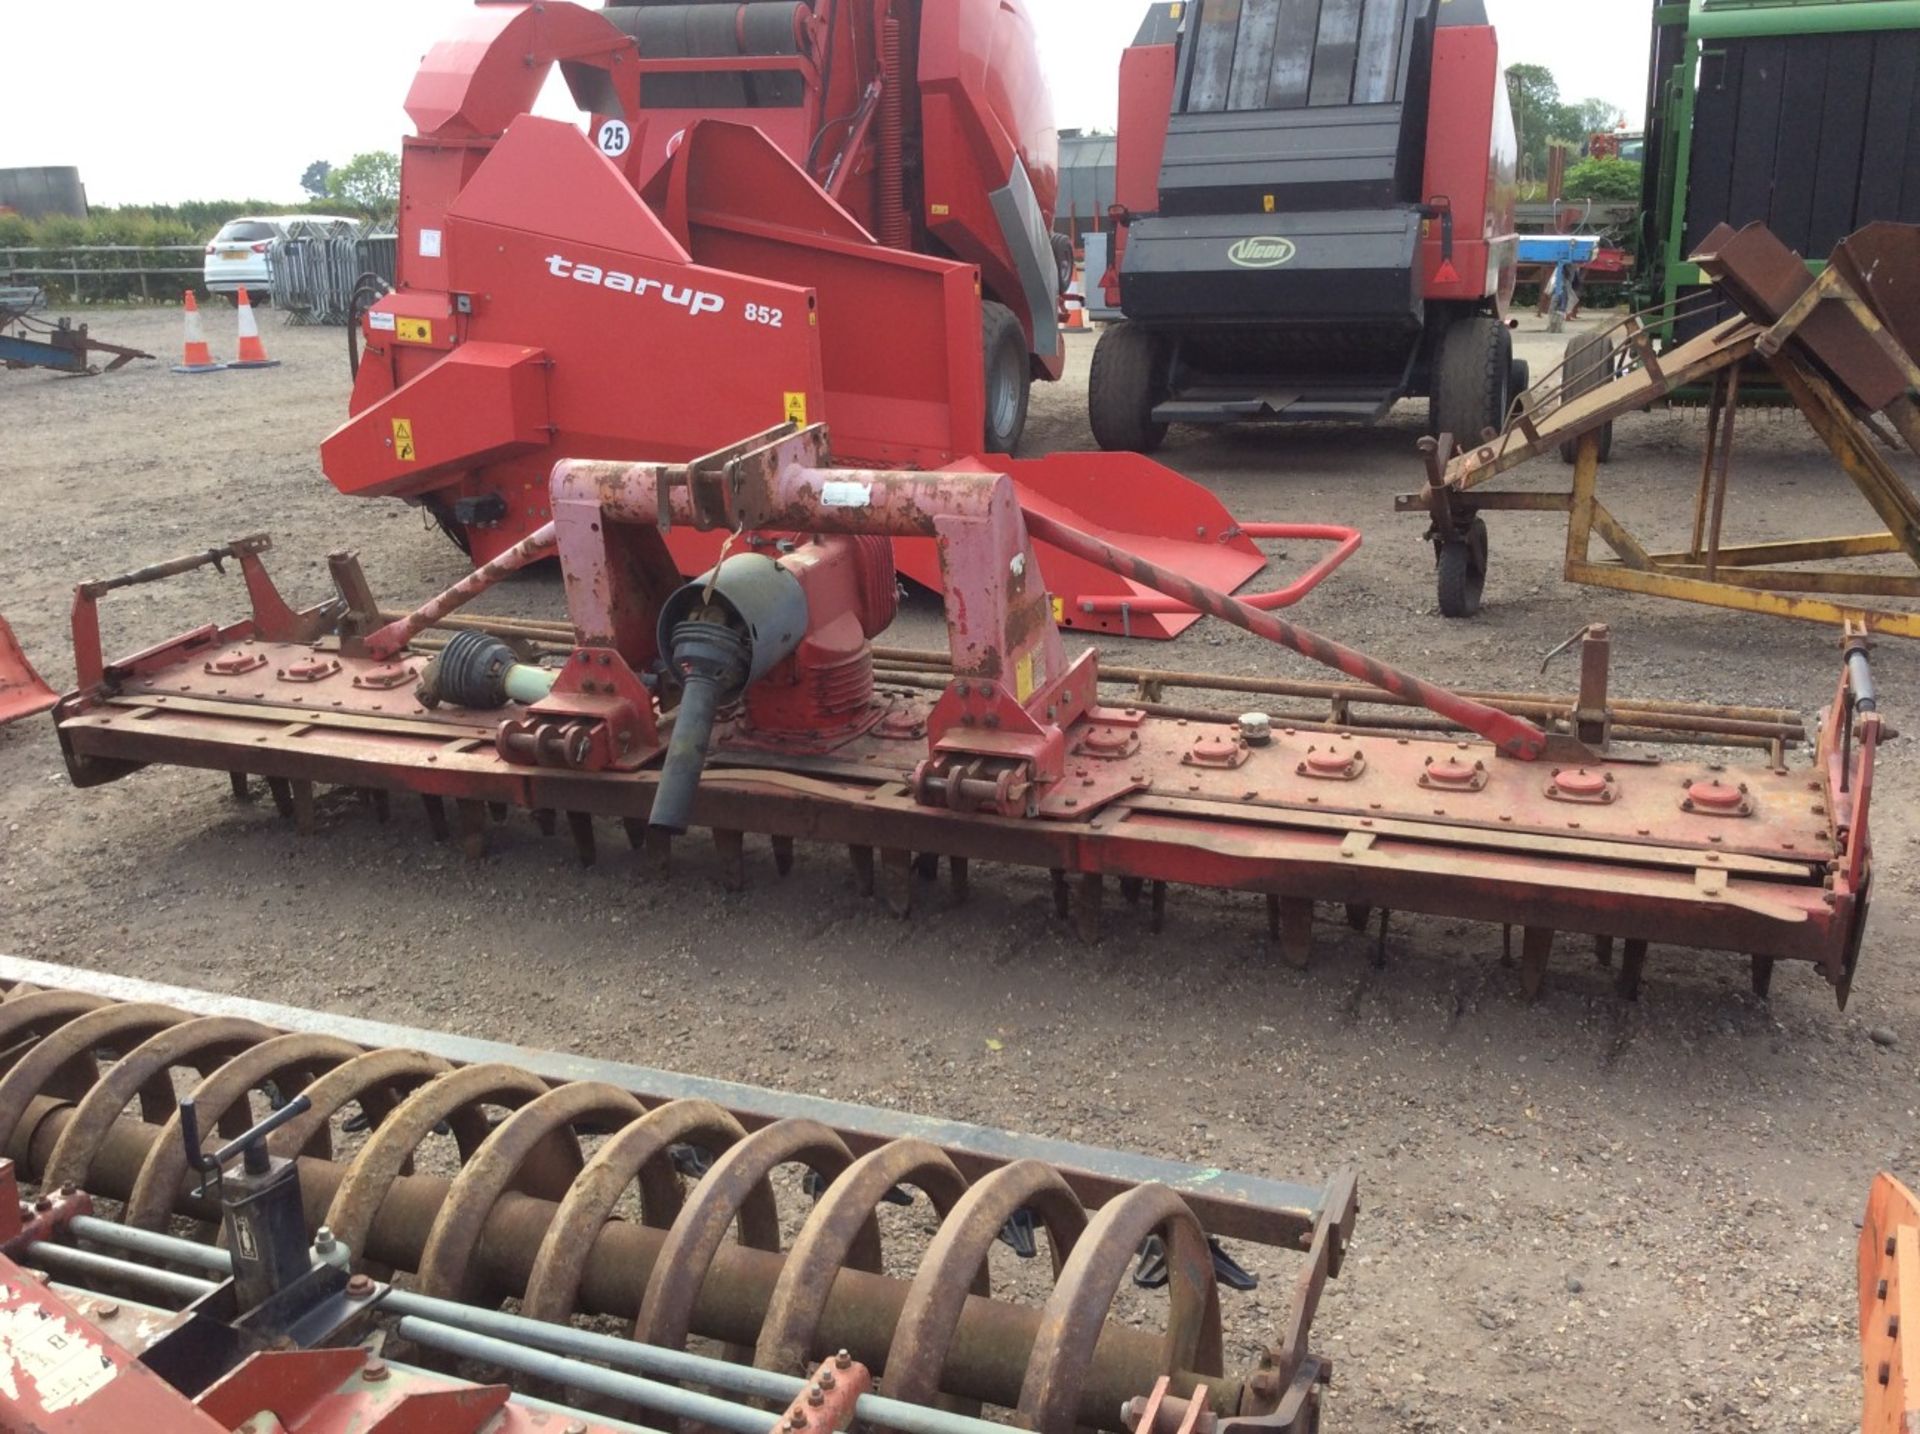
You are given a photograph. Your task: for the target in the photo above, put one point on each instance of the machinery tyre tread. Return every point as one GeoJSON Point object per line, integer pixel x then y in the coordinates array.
{"type": "Point", "coordinates": [1127, 382]}
{"type": "Point", "coordinates": [1064, 261]}
{"type": "Point", "coordinates": [1008, 379]}
{"type": "Point", "coordinates": [1589, 363]}
{"type": "Point", "coordinates": [1463, 572]}
{"type": "Point", "coordinates": [1470, 380]}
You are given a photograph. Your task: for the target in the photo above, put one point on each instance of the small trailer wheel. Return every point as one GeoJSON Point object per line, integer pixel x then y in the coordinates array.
{"type": "Point", "coordinates": [1463, 571]}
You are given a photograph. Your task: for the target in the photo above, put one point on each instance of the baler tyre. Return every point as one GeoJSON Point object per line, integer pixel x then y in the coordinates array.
{"type": "Point", "coordinates": [1519, 380]}
{"type": "Point", "coordinates": [1589, 364]}
{"type": "Point", "coordinates": [1009, 377]}
{"type": "Point", "coordinates": [1064, 261]}
{"type": "Point", "coordinates": [1470, 378]}
{"type": "Point", "coordinates": [1463, 572]}
{"type": "Point", "coordinates": [1129, 380]}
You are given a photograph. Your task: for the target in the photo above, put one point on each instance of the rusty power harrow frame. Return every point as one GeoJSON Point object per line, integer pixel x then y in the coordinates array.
{"type": "Point", "coordinates": [87, 1092]}
{"type": "Point", "coordinates": [1522, 812]}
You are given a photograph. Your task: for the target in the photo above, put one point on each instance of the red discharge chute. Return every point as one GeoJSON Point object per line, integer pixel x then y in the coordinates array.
{"type": "Point", "coordinates": [22, 693]}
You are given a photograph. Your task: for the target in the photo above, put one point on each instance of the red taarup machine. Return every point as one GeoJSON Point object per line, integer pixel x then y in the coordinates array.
{"type": "Point", "coordinates": [1315, 219]}
{"type": "Point", "coordinates": [809, 211]}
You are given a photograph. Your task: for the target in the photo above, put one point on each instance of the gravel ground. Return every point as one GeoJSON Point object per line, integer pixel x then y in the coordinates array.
{"type": "Point", "coordinates": [1577, 1215]}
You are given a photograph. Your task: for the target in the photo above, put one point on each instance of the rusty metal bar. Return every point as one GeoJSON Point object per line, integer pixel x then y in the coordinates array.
{"type": "Point", "coordinates": [1511, 736]}
{"type": "Point", "coordinates": [1722, 472]}
{"type": "Point", "coordinates": [173, 567]}
{"type": "Point", "coordinates": [1668, 730]}
{"type": "Point", "coordinates": [390, 639]}
{"type": "Point", "coordinates": [1702, 718]}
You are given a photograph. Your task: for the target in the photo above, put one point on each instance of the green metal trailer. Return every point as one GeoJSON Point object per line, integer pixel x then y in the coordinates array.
{"type": "Point", "coordinates": [1803, 114]}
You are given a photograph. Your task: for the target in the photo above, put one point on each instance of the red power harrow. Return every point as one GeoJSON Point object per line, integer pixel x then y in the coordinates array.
{"type": "Point", "coordinates": [750, 700]}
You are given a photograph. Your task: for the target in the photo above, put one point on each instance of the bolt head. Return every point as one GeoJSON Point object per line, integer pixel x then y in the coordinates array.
{"type": "Point", "coordinates": [826, 1379]}
{"type": "Point", "coordinates": [843, 1360]}
{"type": "Point", "coordinates": [359, 1287]}
{"type": "Point", "coordinates": [374, 1370]}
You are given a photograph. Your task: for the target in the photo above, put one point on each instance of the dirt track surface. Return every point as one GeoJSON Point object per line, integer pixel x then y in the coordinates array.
{"type": "Point", "coordinates": [1576, 1215]}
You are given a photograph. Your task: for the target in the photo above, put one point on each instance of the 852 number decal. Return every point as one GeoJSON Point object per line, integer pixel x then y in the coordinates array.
{"type": "Point", "coordinates": [768, 317]}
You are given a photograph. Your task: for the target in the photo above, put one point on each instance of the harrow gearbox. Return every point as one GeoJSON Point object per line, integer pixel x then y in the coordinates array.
{"type": "Point", "coordinates": [754, 700]}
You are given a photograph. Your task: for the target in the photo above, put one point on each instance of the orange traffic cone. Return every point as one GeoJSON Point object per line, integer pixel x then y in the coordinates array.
{"type": "Point", "coordinates": [1076, 304]}
{"type": "Point", "coordinates": [198, 358]}
{"type": "Point", "coordinates": [253, 353]}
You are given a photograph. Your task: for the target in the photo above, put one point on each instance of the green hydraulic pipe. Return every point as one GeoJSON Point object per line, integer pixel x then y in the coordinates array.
{"type": "Point", "coordinates": [1749, 19]}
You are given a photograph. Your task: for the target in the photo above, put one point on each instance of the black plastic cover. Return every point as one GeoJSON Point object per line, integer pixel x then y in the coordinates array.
{"type": "Point", "coordinates": [1343, 266]}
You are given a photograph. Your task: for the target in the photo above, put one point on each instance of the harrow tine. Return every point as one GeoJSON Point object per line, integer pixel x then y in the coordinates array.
{"type": "Point", "coordinates": [862, 858]}
{"type": "Point", "coordinates": [1603, 952]}
{"type": "Point", "coordinates": [1506, 945]}
{"type": "Point", "coordinates": [926, 865]}
{"type": "Point", "coordinates": [1062, 896]}
{"type": "Point", "coordinates": [1157, 908]}
{"type": "Point", "coordinates": [1380, 941]}
{"type": "Point", "coordinates": [1132, 888]}
{"type": "Point", "coordinates": [957, 874]}
{"type": "Point", "coordinates": [436, 810]}
{"type": "Point", "coordinates": [656, 851]}
{"type": "Point", "coordinates": [783, 855]}
{"type": "Point", "coordinates": [1093, 890]}
{"type": "Point", "coordinates": [498, 811]}
{"type": "Point", "coordinates": [473, 827]}
{"type": "Point", "coordinates": [1358, 915]}
{"type": "Point", "coordinates": [302, 805]}
{"type": "Point", "coordinates": [282, 793]}
{"type": "Point", "coordinates": [636, 831]}
{"type": "Point", "coordinates": [1762, 976]}
{"type": "Point", "coordinates": [1632, 962]}
{"type": "Point", "coordinates": [382, 804]}
{"type": "Point", "coordinates": [1290, 923]}
{"type": "Point", "coordinates": [580, 824]}
{"type": "Point", "coordinates": [547, 820]}
{"type": "Point", "coordinates": [732, 847]}
{"type": "Point", "coordinates": [897, 881]}
{"type": "Point", "coordinates": [1536, 946]}
{"type": "Point", "coordinates": [242, 791]}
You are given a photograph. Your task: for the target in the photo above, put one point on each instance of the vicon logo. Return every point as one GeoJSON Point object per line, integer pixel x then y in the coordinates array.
{"type": "Point", "coordinates": [694, 301]}
{"type": "Point", "coordinates": [1262, 253]}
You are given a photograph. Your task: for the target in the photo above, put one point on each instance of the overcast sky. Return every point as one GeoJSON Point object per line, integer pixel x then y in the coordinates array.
{"type": "Point", "coordinates": [166, 107]}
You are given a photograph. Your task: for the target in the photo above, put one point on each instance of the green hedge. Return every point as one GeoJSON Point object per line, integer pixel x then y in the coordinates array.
{"type": "Point", "coordinates": [140, 225]}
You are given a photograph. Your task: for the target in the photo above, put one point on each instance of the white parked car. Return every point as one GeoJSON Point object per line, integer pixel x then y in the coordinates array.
{"type": "Point", "coordinates": [241, 254]}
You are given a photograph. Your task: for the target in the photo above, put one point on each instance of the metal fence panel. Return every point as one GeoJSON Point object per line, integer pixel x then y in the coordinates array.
{"type": "Point", "coordinates": [317, 268]}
